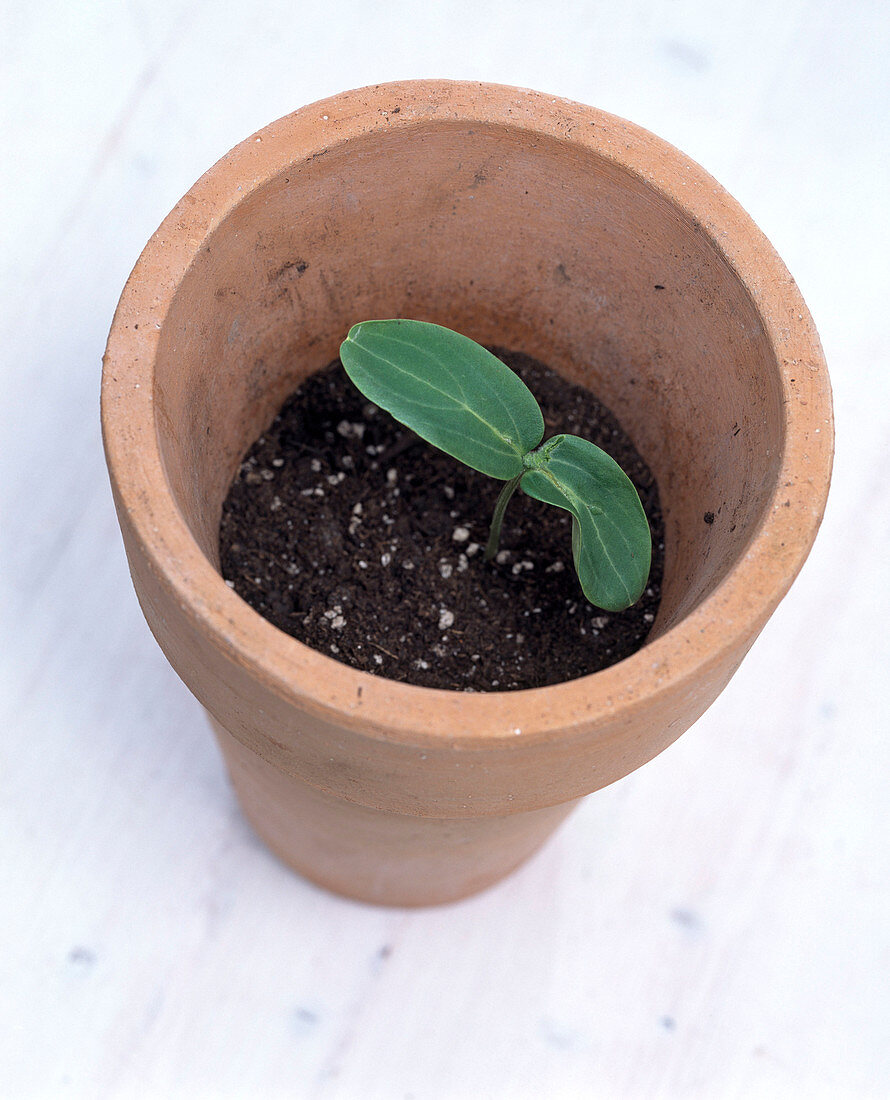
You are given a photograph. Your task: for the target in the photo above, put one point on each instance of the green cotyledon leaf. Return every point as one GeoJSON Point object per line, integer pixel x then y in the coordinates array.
{"type": "Point", "coordinates": [611, 543]}
{"type": "Point", "coordinates": [448, 389]}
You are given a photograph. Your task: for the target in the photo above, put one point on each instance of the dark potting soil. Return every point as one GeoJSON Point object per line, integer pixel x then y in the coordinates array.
{"type": "Point", "coordinates": [346, 530]}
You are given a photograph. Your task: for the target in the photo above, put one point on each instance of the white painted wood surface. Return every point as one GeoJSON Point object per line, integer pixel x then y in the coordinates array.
{"type": "Point", "coordinates": [716, 925]}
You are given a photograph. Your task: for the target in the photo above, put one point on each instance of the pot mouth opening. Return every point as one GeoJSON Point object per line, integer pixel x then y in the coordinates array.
{"type": "Point", "coordinates": [671, 306]}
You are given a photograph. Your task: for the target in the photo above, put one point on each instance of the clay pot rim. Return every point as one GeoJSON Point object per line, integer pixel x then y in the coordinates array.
{"type": "Point", "coordinates": [385, 709]}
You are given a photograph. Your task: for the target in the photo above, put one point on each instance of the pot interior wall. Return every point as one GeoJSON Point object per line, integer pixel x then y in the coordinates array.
{"type": "Point", "coordinates": [533, 244]}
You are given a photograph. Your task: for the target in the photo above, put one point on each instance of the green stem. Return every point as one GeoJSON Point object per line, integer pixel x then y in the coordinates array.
{"type": "Point", "coordinates": [497, 519]}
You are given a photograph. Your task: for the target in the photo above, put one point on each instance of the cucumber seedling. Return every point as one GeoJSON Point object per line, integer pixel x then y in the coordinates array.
{"type": "Point", "coordinates": [462, 399]}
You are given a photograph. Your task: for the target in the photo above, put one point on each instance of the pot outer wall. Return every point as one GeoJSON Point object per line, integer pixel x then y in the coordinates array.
{"type": "Point", "coordinates": [521, 220]}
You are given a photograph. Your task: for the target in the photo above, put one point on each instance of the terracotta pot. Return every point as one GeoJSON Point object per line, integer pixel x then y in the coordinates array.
{"type": "Point", "coordinates": [521, 220]}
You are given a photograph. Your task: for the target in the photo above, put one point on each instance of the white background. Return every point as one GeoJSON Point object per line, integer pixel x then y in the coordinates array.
{"type": "Point", "coordinates": [715, 925]}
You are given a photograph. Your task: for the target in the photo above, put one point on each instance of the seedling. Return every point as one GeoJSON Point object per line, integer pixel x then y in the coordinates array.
{"type": "Point", "coordinates": [458, 396]}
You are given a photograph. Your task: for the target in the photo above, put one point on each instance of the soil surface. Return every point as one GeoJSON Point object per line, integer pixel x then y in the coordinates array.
{"type": "Point", "coordinates": [347, 531]}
